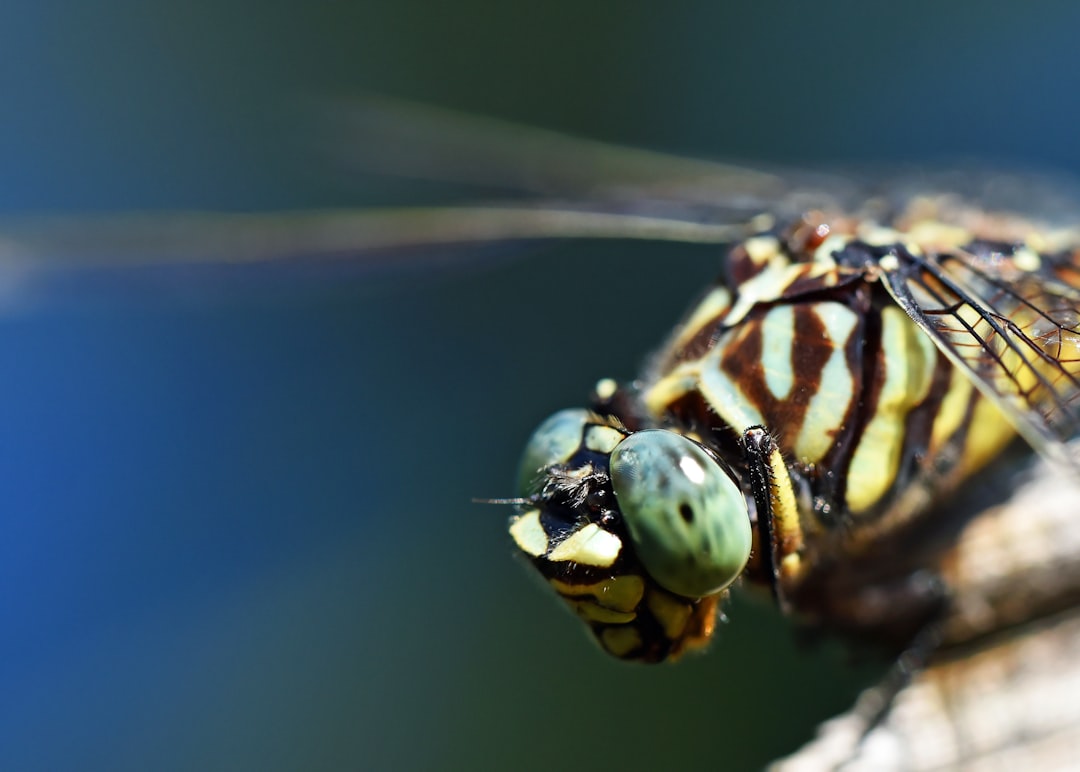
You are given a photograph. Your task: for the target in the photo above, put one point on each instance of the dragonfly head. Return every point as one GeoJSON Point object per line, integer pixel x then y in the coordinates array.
{"type": "Point", "coordinates": [639, 532]}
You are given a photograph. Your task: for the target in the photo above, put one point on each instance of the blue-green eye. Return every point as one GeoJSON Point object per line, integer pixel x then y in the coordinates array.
{"type": "Point", "coordinates": [687, 520]}
{"type": "Point", "coordinates": [554, 441]}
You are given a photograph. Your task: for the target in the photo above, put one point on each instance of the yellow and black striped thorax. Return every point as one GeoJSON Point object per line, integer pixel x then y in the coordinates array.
{"type": "Point", "coordinates": [812, 346]}
{"type": "Point", "coordinates": [837, 381]}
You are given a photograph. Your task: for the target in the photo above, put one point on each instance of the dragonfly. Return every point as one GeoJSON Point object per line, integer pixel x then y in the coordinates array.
{"type": "Point", "coordinates": [828, 423]}
{"type": "Point", "coordinates": [840, 378]}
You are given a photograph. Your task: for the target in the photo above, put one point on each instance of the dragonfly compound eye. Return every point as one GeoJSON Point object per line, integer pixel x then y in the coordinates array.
{"type": "Point", "coordinates": [553, 442]}
{"type": "Point", "coordinates": [687, 519]}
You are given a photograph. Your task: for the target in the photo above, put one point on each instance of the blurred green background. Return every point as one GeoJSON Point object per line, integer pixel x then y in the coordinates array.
{"type": "Point", "coordinates": [237, 529]}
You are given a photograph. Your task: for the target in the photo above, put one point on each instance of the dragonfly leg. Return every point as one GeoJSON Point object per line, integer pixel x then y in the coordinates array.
{"type": "Point", "coordinates": [780, 534]}
{"type": "Point", "coordinates": [875, 703]}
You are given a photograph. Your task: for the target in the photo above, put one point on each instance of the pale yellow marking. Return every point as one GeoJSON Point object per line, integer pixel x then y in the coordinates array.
{"type": "Point", "coordinates": [675, 384]}
{"type": "Point", "coordinates": [938, 236]}
{"type": "Point", "coordinates": [914, 248]}
{"type": "Point", "coordinates": [725, 396]}
{"type": "Point", "coordinates": [589, 546]}
{"type": "Point", "coordinates": [953, 408]}
{"type": "Point", "coordinates": [777, 339]}
{"type": "Point", "coordinates": [767, 286]}
{"type": "Point", "coordinates": [824, 253]}
{"type": "Point", "coordinates": [826, 410]}
{"type": "Point", "coordinates": [529, 534]}
{"type": "Point", "coordinates": [762, 222]}
{"type": "Point", "coordinates": [878, 235]}
{"type": "Point", "coordinates": [713, 305]}
{"type": "Point", "coordinates": [1046, 241]}
{"type": "Point", "coordinates": [606, 388]}
{"type": "Point", "coordinates": [602, 439]}
{"type": "Point", "coordinates": [761, 249]}
{"type": "Point", "coordinates": [619, 593]}
{"type": "Point", "coordinates": [672, 614]}
{"type": "Point", "coordinates": [621, 640]}
{"type": "Point", "coordinates": [1026, 260]}
{"type": "Point", "coordinates": [824, 268]}
{"type": "Point", "coordinates": [592, 612]}
{"type": "Point", "coordinates": [791, 567]}
{"type": "Point", "coordinates": [1037, 242]}
{"type": "Point", "coordinates": [788, 525]}
{"type": "Point", "coordinates": [988, 433]}
{"type": "Point", "coordinates": [889, 262]}
{"type": "Point", "coordinates": [909, 366]}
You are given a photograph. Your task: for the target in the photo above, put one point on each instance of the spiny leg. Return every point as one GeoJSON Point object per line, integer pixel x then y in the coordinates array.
{"type": "Point", "coordinates": [780, 533]}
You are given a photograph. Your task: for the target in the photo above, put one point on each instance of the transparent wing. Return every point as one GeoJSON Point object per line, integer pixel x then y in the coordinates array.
{"type": "Point", "coordinates": [401, 138]}
{"type": "Point", "coordinates": [1010, 319]}
{"type": "Point", "coordinates": [253, 238]}
{"type": "Point", "coordinates": [564, 188]}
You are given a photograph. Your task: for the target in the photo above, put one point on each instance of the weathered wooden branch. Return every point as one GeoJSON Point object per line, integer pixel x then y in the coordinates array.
{"type": "Point", "coordinates": [1005, 694]}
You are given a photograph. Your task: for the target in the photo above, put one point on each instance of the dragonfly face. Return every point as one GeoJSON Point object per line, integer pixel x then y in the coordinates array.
{"type": "Point", "coordinates": [638, 531]}
{"type": "Point", "coordinates": [842, 377]}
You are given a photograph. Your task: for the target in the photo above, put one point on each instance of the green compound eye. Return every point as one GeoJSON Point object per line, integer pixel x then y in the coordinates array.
{"type": "Point", "coordinates": [687, 520]}
{"type": "Point", "coordinates": [554, 441]}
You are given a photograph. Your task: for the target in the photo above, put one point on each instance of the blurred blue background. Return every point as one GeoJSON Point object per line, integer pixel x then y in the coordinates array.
{"type": "Point", "coordinates": [236, 519]}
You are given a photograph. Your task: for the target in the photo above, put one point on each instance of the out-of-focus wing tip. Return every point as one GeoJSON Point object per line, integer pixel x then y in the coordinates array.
{"type": "Point", "coordinates": [360, 235]}
{"type": "Point", "coordinates": [375, 134]}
